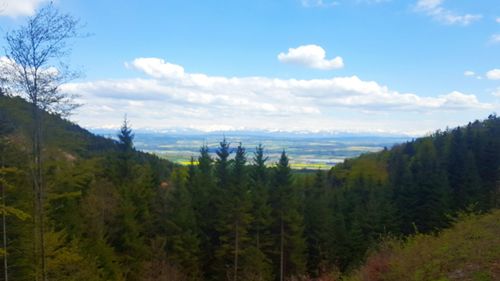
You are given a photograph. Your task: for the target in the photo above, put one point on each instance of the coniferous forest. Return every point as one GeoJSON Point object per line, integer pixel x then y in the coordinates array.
{"type": "Point", "coordinates": [77, 206]}
{"type": "Point", "coordinates": [114, 213]}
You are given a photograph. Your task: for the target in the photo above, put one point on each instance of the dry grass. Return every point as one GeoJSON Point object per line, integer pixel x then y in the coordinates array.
{"type": "Point", "coordinates": [470, 250]}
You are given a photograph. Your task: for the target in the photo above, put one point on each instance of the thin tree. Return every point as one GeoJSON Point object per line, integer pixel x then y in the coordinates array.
{"type": "Point", "coordinates": [5, 128]}
{"type": "Point", "coordinates": [126, 147]}
{"type": "Point", "coordinates": [289, 221]}
{"type": "Point", "coordinates": [36, 54]}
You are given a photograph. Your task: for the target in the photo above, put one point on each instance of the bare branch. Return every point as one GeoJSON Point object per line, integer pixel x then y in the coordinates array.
{"type": "Point", "coordinates": [36, 54]}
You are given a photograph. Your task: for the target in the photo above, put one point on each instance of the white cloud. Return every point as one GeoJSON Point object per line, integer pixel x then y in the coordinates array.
{"type": "Point", "coordinates": [435, 9]}
{"type": "Point", "coordinates": [493, 74]}
{"type": "Point", "coordinates": [200, 101]}
{"type": "Point", "coordinates": [312, 56]}
{"type": "Point", "coordinates": [373, 1]}
{"type": "Point", "coordinates": [157, 68]}
{"type": "Point", "coordinates": [495, 38]}
{"type": "Point", "coordinates": [458, 100]}
{"type": "Point", "coordinates": [497, 20]}
{"type": "Point", "coordinates": [15, 8]}
{"type": "Point", "coordinates": [333, 3]}
{"type": "Point", "coordinates": [470, 73]}
{"type": "Point", "coordinates": [319, 3]}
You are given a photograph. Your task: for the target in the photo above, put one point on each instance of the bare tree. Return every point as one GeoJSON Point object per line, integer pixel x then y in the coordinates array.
{"type": "Point", "coordinates": [36, 54]}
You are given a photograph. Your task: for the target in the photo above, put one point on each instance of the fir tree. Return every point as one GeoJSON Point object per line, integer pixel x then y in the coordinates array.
{"type": "Point", "coordinates": [318, 219]}
{"type": "Point", "coordinates": [126, 152]}
{"type": "Point", "coordinates": [288, 226]}
{"type": "Point", "coordinates": [260, 229]}
{"type": "Point", "coordinates": [222, 164]}
{"type": "Point", "coordinates": [235, 217]}
{"type": "Point", "coordinates": [432, 190]}
{"type": "Point", "coordinates": [183, 243]}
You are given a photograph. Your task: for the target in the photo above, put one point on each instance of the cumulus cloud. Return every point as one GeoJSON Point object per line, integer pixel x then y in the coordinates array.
{"type": "Point", "coordinates": [15, 8]}
{"type": "Point", "coordinates": [312, 56]}
{"type": "Point", "coordinates": [157, 68]}
{"type": "Point", "coordinates": [435, 9]}
{"type": "Point", "coordinates": [470, 73]}
{"type": "Point", "coordinates": [493, 74]}
{"type": "Point", "coordinates": [319, 3]}
{"type": "Point", "coordinates": [169, 97]}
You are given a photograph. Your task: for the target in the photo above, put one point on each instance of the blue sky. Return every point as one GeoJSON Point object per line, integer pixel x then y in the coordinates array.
{"type": "Point", "coordinates": [389, 66]}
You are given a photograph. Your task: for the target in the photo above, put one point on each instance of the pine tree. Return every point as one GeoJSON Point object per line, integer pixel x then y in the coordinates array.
{"type": "Point", "coordinates": [222, 164]}
{"type": "Point", "coordinates": [183, 243]}
{"type": "Point", "coordinates": [462, 172]}
{"type": "Point", "coordinates": [318, 228]}
{"type": "Point", "coordinates": [126, 152]}
{"type": "Point", "coordinates": [288, 225]}
{"type": "Point", "coordinates": [234, 217]}
{"type": "Point", "coordinates": [133, 219]}
{"type": "Point", "coordinates": [260, 229]}
{"type": "Point", "coordinates": [339, 244]}
{"type": "Point", "coordinates": [404, 189]}
{"type": "Point", "coordinates": [432, 191]}
{"type": "Point", "coordinates": [204, 196]}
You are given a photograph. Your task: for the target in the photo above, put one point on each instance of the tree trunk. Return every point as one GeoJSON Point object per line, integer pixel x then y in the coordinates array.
{"type": "Point", "coordinates": [259, 275]}
{"type": "Point", "coordinates": [4, 226]}
{"type": "Point", "coordinates": [39, 191]}
{"type": "Point", "coordinates": [282, 241]}
{"type": "Point", "coordinates": [4, 234]}
{"type": "Point", "coordinates": [236, 251]}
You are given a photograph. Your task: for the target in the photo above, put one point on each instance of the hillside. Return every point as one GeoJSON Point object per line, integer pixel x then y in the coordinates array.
{"type": "Point", "coordinates": [120, 214]}
{"type": "Point", "coordinates": [468, 251]}
{"type": "Point", "coordinates": [16, 113]}
{"type": "Point", "coordinates": [61, 135]}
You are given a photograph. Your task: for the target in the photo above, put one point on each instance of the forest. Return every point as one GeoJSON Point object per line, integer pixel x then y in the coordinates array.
{"type": "Point", "coordinates": [114, 213]}
{"type": "Point", "coordinates": [76, 206]}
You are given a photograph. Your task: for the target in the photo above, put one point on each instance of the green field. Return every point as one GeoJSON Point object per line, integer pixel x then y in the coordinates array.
{"type": "Point", "coordinates": [305, 151]}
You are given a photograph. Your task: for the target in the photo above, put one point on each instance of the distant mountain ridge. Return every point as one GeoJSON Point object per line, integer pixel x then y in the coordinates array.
{"type": "Point", "coordinates": [266, 133]}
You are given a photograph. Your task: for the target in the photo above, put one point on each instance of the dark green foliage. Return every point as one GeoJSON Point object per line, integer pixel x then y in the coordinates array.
{"type": "Point", "coordinates": [260, 229]}
{"type": "Point", "coordinates": [121, 214]}
{"type": "Point", "coordinates": [234, 216]}
{"type": "Point", "coordinates": [182, 239]}
{"type": "Point", "coordinates": [222, 164]}
{"type": "Point", "coordinates": [288, 224]}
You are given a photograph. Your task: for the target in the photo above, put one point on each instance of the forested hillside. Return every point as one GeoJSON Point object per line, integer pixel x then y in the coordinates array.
{"type": "Point", "coordinates": [470, 250]}
{"type": "Point", "coordinates": [113, 213]}
{"type": "Point", "coordinates": [99, 199]}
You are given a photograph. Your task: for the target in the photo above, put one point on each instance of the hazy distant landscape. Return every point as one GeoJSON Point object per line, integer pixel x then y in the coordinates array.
{"type": "Point", "coordinates": [307, 151]}
{"type": "Point", "coordinates": [301, 140]}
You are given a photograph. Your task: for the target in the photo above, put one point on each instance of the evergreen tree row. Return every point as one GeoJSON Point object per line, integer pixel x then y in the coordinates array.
{"type": "Point", "coordinates": [119, 214]}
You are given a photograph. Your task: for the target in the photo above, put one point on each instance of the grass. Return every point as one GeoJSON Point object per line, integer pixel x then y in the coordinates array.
{"type": "Point", "coordinates": [468, 251]}
{"type": "Point", "coordinates": [296, 166]}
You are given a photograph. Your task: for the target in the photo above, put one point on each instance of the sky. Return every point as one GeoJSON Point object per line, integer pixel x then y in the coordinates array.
{"type": "Point", "coordinates": [390, 66]}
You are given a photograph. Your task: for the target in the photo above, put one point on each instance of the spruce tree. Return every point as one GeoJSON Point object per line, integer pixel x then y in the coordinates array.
{"type": "Point", "coordinates": [260, 229]}
{"type": "Point", "coordinates": [204, 196]}
{"type": "Point", "coordinates": [126, 151]}
{"type": "Point", "coordinates": [222, 164]}
{"type": "Point", "coordinates": [318, 229]}
{"type": "Point", "coordinates": [235, 218]}
{"type": "Point", "coordinates": [432, 190]}
{"type": "Point", "coordinates": [463, 176]}
{"type": "Point", "coordinates": [288, 225]}
{"type": "Point", "coordinates": [183, 243]}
